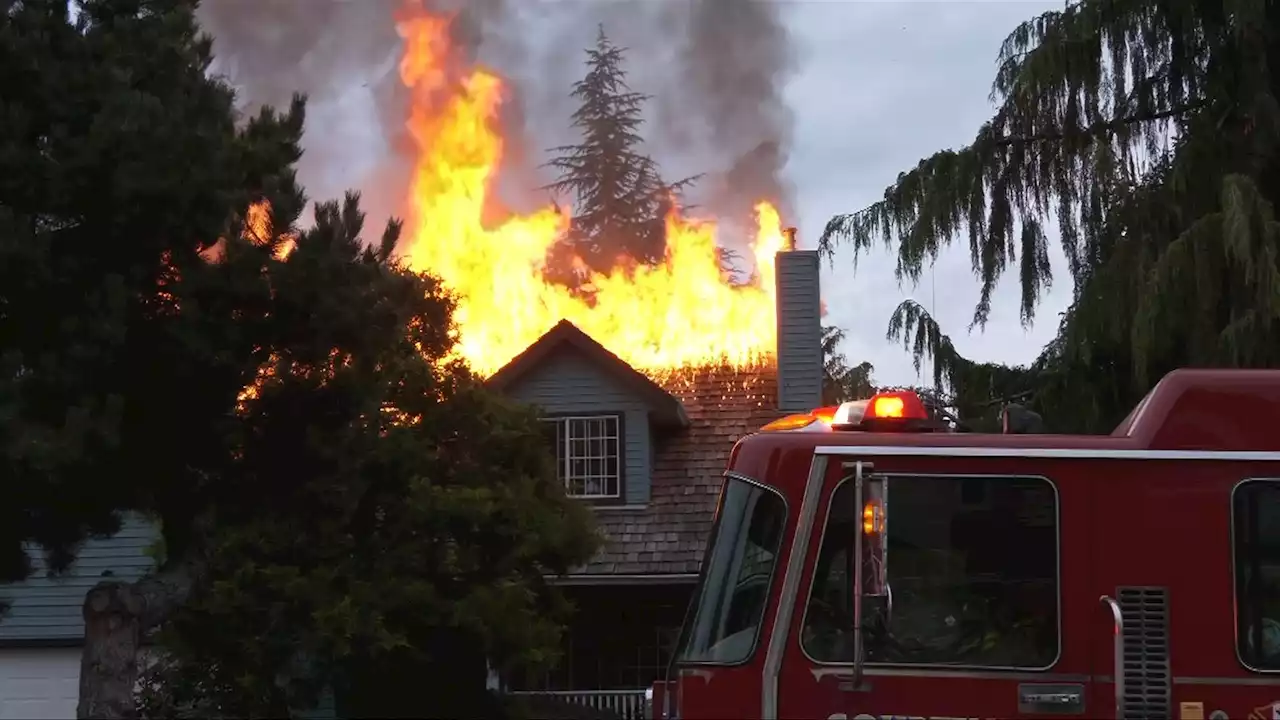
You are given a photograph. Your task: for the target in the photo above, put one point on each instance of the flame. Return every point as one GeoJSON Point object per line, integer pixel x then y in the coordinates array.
{"type": "Point", "coordinates": [682, 313]}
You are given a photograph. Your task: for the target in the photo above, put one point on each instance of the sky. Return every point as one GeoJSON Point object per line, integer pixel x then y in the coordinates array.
{"type": "Point", "coordinates": [882, 85]}
{"type": "Point", "coordinates": [876, 86]}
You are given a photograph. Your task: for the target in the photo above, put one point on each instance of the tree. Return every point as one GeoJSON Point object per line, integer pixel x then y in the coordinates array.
{"type": "Point", "coordinates": [1148, 131]}
{"type": "Point", "coordinates": [404, 517]}
{"type": "Point", "coordinates": [839, 381]}
{"type": "Point", "coordinates": [119, 163]}
{"type": "Point", "coordinates": [620, 199]}
{"type": "Point", "coordinates": [165, 353]}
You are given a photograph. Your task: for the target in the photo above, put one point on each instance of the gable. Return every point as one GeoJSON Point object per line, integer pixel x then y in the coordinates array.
{"type": "Point", "coordinates": [48, 610]}
{"type": "Point", "coordinates": [663, 408]}
{"type": "Point", "coordinates": [565, 382]}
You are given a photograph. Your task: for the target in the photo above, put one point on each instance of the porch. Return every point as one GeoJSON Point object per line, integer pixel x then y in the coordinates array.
{"type": "Point", "coordinates": [618, 643]}
{"type": "Point", "coordinates": [622, 704]}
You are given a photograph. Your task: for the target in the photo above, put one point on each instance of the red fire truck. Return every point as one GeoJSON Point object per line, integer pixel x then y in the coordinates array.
{"type": "Point", "coordinates": [869, 562]}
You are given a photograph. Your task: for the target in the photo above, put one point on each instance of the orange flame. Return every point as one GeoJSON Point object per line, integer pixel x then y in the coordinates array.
{"type": "Point", "coordinates": [681, 313]}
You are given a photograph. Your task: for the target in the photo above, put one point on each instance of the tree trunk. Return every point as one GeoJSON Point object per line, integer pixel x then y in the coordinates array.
{"type": "Point", "coordinates": [117, 616]}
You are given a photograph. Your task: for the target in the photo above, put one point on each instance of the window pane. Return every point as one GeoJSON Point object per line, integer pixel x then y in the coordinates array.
{"type": "Point", "coordinates": [1256, 523]}
{"type": "Point", "coordinates": [588, 457]}
{"type": "Point", "coordinates": [740, 561]}
{"type": "Point", "coordinates": [973, 569]}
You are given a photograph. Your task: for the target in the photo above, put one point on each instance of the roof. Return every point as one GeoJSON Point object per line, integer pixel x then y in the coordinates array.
{"type": "Point", "coordinates": [50, 610]}
{"type": "Point", "coordinates": [667, 411]}
{"type": "Point", "coordinates": [669, 535]}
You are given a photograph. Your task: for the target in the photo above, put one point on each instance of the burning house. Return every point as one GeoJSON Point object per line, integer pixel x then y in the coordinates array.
{"type": "Point", "coordinates": [648, 453]}
{"type": "Point", "coordinates": [644, 391]}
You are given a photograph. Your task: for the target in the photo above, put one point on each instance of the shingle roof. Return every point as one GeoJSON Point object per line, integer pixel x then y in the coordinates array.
{"type": "Point", "coordinates": [49, 609]}
{"type": "Point", "coordinates": [668, 536]}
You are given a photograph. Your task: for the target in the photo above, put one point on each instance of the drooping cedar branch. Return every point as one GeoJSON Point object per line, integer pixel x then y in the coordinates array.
{"type": "Point", "coordinates": [1148, 132]}
{"type": "Point", "coordinates": [1082, 100]}
{"type": "Point", "coordinates": [1102, 128]}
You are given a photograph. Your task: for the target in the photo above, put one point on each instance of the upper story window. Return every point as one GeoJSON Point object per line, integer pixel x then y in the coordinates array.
{"type": "Point", "coordinates": [588, 452]}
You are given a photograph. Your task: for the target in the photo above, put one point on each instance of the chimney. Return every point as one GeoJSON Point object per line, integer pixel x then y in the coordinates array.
{"type": "Point", "coordinates": [799, 329]}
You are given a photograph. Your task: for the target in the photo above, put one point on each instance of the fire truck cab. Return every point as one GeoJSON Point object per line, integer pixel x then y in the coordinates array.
{"type": "Point", "coordinates": [866, 562]}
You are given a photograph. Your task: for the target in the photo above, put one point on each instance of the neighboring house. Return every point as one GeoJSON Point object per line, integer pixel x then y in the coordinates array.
{"type": "Point", "coordinates": [649, 454]}
{"type": "Point", "coordinates": [41, 635]}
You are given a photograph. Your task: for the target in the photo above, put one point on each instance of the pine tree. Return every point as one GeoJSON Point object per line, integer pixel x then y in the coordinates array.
{"type": "Point", "coordinates": [620, 199]}
{"type": "Point", "coordinates": [840, 382]}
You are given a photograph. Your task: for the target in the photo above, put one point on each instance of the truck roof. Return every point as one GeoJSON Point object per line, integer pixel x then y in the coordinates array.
{"type": "Point", "coordinates": [1189, 414]}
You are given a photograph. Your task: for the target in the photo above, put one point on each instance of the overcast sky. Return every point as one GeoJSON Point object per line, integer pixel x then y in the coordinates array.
{"type": "Point", "coordinates": [877, 86]}
{"type": "Point", "coordinates": [881, 85]}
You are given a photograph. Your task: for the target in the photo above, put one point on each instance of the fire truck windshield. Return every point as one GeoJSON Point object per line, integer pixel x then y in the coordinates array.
{"type": "Point", "coordinates": [740, 567]}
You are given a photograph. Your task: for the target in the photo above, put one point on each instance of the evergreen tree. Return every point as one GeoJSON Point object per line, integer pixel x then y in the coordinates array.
{"type": "Point", "coordinates": [309, 521]}
{"type": "Point", "coordinates": [1150, 131]}
{"type": "Point", "coordinates": [839, 381]}
{"type": "Point", "coordinates": [620, 200]}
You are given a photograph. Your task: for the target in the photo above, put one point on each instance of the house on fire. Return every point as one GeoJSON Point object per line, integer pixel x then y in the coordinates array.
{"type": "Point", "coordinates": [647, 457]}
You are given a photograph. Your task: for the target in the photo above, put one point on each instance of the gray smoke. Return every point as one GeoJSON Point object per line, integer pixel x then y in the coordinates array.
{"type": "Point", "coordinates": [735, 62]}
{"type": "Point", "coordinates": [715, 68]}
{"type": "Point", "coordinates": [344, 55]}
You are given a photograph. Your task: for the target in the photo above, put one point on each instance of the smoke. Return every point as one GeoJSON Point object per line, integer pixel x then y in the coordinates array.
{"type": "Point", "coordinates": [715, 69]}
{"type": "Point", "coordinates": [734, 64]}
{"type": "Point", "coordinates": [344, 55]}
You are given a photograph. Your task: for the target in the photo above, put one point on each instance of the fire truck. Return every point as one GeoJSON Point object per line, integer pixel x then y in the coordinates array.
{"type": "Point", "coordinates": [867, 561]}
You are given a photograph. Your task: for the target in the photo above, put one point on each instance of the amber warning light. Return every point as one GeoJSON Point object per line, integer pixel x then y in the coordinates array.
{"type": "Point", "coordinates": [890, 411]}
{"type": "Point", "coordinates": [872, 518]}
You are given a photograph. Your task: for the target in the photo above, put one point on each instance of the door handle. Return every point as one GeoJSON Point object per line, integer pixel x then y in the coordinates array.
{"type": "Point", "coordinates": [1117, 629]}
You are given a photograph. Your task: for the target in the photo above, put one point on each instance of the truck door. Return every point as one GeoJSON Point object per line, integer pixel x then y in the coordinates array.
{"type": "Point", "coordinates": [925, 595]}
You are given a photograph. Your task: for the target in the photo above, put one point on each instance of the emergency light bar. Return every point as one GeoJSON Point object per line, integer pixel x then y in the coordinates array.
{"type": "Point", "coordinates": [890, 411]}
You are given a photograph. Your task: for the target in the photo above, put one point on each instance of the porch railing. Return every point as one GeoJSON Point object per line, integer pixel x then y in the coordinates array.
{"type": "Point", "coordinates": [626, 704]}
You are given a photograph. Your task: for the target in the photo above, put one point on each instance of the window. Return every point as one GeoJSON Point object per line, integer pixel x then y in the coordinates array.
{"type": "Point", "coordinates": [973, 583]}
{"type": "Point", "coordinates": [1255, 524]}
{"type": "Point", "coordinates": [588, 457]}
{"type": "Point", "coordinates": [739, 572]}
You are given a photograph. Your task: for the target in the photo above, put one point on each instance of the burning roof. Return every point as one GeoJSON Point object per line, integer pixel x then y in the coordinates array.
{"type": "Point", "coordinates": [682, 313]}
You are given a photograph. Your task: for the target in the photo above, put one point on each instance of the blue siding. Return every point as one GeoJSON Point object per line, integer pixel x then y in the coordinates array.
{"type": "Point", "coordinates": [799, 331]}
{"type": "Point", "coordinates": [565, 382]}
{"type": "Point", "coordinates": [50, 609]}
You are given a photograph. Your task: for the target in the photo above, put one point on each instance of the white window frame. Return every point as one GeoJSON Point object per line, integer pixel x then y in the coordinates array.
{"type": "Point", "coordinates": [611, 483]}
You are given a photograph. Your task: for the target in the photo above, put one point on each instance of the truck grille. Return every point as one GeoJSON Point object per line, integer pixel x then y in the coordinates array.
{"type": "Point", "coordinates": [1147, 680]}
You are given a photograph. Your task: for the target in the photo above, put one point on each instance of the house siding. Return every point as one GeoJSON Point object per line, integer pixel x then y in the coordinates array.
{"type": "Point", "coordinates": [799, 331]}
{"type": "Point", "coordinates": [567, 383]}
{"type": "Point", "coordinates": [50, 609]}
{"type": "Point", "coordinates": [669, 536]}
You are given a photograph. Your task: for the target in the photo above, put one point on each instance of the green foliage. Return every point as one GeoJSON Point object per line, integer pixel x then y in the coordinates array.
{"type": "Point", "coordinates": [390, 496]}
{"type": "Point", "coordinates": [839, 381]}
{"type": "Point", "coordinates": [119, 162]}
{"type": "Point", "coordinates": [973, 390]}
{"type": "Point", "coordinates": [368, 497]}
{"type": "Point", "coordinates": [621, 201]}
{"type": "Point", "coordinates": [1148, 132]}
